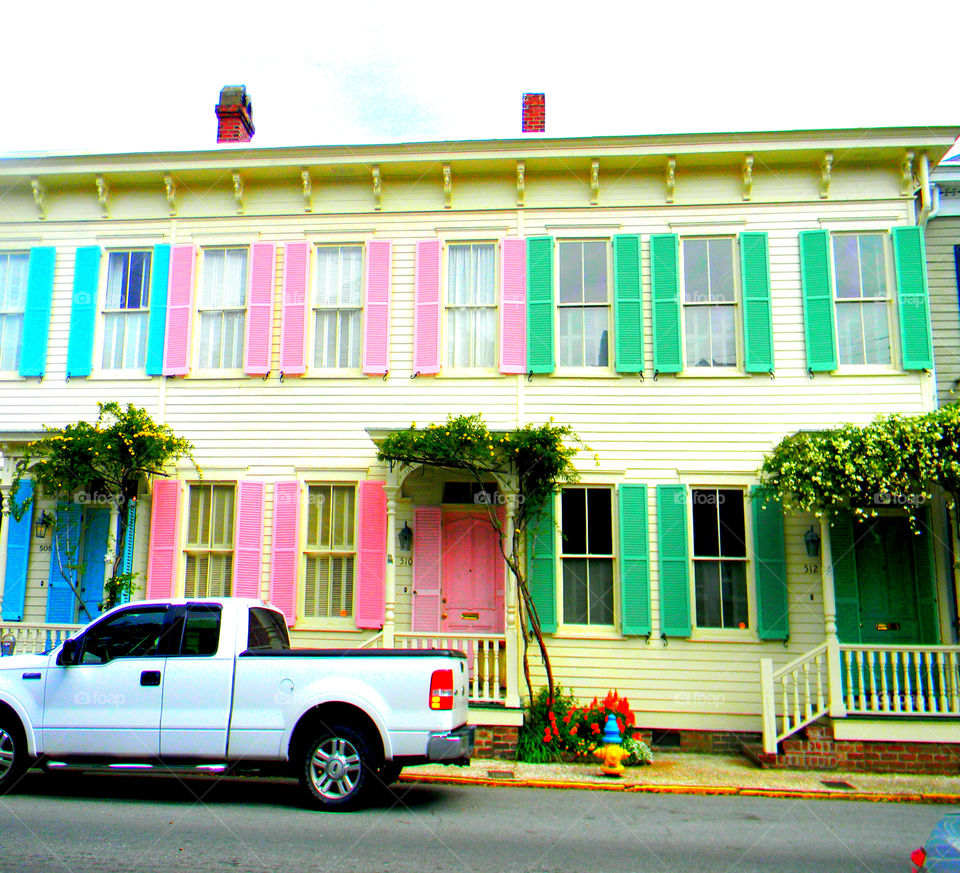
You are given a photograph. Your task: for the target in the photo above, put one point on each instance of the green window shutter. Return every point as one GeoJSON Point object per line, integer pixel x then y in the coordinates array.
{"type": "Point", "coordinates": [927, 611]}
{"type": "Point", "coordinates": [634, 561]}
{"type": "Point", "coordinates": [36, 315]}
{"type": "Point", "coordinates": [665, 292]}
{"type": "Point", "coordinates": [540, 305]}
{"type": "Point", "coordinates": [674, 560]}
{"type": "Point", "coordinates": [912, 298]}
{"type": "Point", "coordinates": [541, 567]}
{"type": "Point", "coordinates": [818, 316]}
{"type": "Point", "coordinates": [757, 307]}
{"type": "Point", "coordinates": [845, 585]}
{"type": "Point", "coordinates": [770, 569]}
{"type": "Point", "coordinates": [628, 309]}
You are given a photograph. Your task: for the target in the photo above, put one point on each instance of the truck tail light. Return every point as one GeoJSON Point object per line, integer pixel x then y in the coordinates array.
{"type": "Point", "coordinates": [919, 858]}
{"type": "Point", "coordinates": [441, 689]}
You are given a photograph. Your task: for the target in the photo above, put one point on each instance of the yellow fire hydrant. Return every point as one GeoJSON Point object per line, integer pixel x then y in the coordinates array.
{"type": "Point", "coordinates": [612, 754]}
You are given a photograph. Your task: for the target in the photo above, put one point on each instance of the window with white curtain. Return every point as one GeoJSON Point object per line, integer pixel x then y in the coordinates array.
{"type": "Point", "coordinates": [471, 310]}
{"type": "Point", "coordinates": [209, 548]}
{"type": "Point", "coordinates": [223, 308]}
{"type": "Point", "coordinates": [862, 298]}
{"type": "Point", "coordinates": [126, 311]}
{"type": "Point", "coordinates": [13, 302]}
{"type": "Point", "coordinates": [710, 302]}
{"type": "Point", "coordinates": [584, 304]}
{"type": "Point", "coordinates": [330, 551]}
{"type": "Point", "coordinates": [338, 307]}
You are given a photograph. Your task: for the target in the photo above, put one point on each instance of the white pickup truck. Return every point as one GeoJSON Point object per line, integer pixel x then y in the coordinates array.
{"type": "Point", "coordinates": [214, 685]}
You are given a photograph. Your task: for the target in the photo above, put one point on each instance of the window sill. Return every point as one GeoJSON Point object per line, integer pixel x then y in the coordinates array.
{"type": "Point", "coordinates": [585, 632]}
{"type": "Point", "coordinates": [219, 374]}
{"type": "Point", "coordinates": [334, 373]}
{"type": "Point", "coordinates": [335, 625]}
{"type": "Point", "coordinates": [871, 370]}
{"type": "Point", "coordinates": [104, 375]}
{"type": "Point", "coordinates": [584, 373]}
{"type": "Point", "coordinates": [471, 373]}
{"type": "Point", "coordinates": [716, 635]}
{"type": "Point", "coordinates": [716, 373]}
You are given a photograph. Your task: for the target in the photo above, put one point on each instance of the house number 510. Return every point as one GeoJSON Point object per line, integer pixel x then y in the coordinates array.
{"type": "Point", "coordinates": [405, 561]}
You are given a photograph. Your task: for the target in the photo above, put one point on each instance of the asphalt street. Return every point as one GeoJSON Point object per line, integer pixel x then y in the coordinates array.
{"type": "Point", "coordinates": [87, 824]}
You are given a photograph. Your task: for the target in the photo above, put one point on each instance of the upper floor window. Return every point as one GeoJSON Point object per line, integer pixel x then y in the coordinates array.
{"type": "Point", "coordinates": [209, 547]}
{"type": "Point", "coordinates": [709, 302]}
{"type": "Point", "coordinates": [719, 558]}
{"type": "Point", "coordinates": [471, 310]}
{"type": "Point", "coordinates": [223, 302]}
{"type": "Point", "coordinates": [338, 307]}
{"type": "Point", "coordinates": [586, 550]}
{"type": "Point", "coordinates": [862, 298]}
{"type": "Point", "coordinates": [13, 302]}
{"type": "Point", "coordinates": [330, 551]}
{"type": "Point", "coordinates": [584, 304]}
{"type": "Point", "coordinates": [126, 310]}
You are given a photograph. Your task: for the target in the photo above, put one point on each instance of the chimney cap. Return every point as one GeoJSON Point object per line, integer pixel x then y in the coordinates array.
{"type": "Point", "coordinates": [236, 95]}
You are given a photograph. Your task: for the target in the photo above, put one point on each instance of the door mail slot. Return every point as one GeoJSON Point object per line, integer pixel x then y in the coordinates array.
{"type": "Point", "coordinates": [888, 626]}
{"type": "Point", "coordinates": [470, 616]}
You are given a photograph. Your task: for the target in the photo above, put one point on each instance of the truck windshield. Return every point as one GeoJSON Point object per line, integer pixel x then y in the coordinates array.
{"type": "Point", "coordinates": [267, 630]}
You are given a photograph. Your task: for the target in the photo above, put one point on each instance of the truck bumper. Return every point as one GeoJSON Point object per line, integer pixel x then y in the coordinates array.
{"type": "Point", "coordinates": [452, 747]}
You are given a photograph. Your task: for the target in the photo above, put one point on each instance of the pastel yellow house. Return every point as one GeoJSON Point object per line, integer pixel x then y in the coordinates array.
{"type": "Point", "coordinates": [682, 302]}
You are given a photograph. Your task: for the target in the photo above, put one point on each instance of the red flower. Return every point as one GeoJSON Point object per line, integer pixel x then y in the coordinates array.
{"type": "Point", "coordinates": [573, 731]}
{"type": "Point", "coordinates": [566, 718]}
{"type": "Point", "coordinates": [595, 728]}
{"type": "Point", "coordinates": [546, 735]}
{"type": "Point", "coordinates": [553, 718]}
{"type": "Point", "coordinates": [620, 725]}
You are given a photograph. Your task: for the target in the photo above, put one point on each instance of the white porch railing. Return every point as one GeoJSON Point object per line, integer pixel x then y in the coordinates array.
{"type": "Point", "coordinates": [486, 659]}
{"type": "Point", "coordinates": [862, 680]}
{"type": "Point", "coordinates": [31, 637]}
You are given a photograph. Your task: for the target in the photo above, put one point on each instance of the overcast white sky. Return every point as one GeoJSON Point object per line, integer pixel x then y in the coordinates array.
{"type": "Point", "coordinates": [128, 76]}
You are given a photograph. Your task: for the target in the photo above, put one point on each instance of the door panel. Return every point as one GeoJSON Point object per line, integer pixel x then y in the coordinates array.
{"type": "Point", "coordinates": [473, 574]}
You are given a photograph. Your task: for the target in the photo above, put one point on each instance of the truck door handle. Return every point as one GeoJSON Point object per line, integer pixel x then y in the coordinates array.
{"type": "Point", "coordinates": [150, 677]}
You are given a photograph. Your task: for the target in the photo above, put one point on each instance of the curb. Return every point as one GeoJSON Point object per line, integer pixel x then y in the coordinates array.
{"type": "Point", "coordinates": [706, 790]}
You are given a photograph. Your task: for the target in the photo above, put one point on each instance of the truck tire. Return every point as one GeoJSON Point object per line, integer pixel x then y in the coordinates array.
{"type": "Point", "coordinates": [13, 754]}
{"type": "Point", "coordinates": [338, 768]}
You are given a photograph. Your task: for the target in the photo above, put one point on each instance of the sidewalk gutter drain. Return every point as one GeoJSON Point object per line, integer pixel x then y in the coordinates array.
{"type": "Point", "coordinates": [831, 783]}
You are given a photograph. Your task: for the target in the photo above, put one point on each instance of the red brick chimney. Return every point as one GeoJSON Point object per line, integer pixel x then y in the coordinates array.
{"type": "Point", "coordinates": [534, 113]}
{"type": "Point", "coordinates": [234, 115]}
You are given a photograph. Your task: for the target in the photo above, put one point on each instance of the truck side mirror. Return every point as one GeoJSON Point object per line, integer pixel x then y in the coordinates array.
{"type": "Point", "coordinates": [68, 654]}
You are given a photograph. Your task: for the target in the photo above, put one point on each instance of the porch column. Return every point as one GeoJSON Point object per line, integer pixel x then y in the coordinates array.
{"type": "Point", "coordinates": [834, 675]}
{"type": "Point", "coordinates": [510, 605]}
{"type": "Point", "coordinates": [4, 529]}
{"type": "Point", "coordinates": [111, 554]}
{"type": "Point", "coordinates": [390, 580]}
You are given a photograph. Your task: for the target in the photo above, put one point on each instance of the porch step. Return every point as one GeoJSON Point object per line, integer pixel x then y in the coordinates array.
{"type": "Point", "coordinates": [754, 752]}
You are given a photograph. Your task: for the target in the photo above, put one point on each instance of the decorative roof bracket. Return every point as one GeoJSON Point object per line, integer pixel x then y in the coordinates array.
{"type": "Point", "coordinates": [594, 183]}
{"type": "Point", "coordinates": [307, 190]}
{"type": "Point", "coordinates": [747, 177]}
{"type": "Point", "coordinates": [377, 187]}
{"type": "Point", "coordinates": [447, 186]}
{"type": "Point", "coordinates": [826, 167]}
{"type": "Point", "coordinates": [907, 183]}
{"type": "Point", "coordinates": [39, 197]}
{"type": "Point", "coordinates": [103, 195]}
{"type": "Point", "coordinates": [238, 192]}
{"type": "Point", "coordinates": [521, 182]}
{"type": "Point", "coordinates": [671, 178]}
{"type": "Point", "coordinates": [170, 190]}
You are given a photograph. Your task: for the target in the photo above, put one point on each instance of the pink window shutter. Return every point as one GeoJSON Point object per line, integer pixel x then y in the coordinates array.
{"type": "Point", "coordinates": [248, 540]}
{"type": "Point", "coordinates": [286, 557]}
{"type": "Point", "coordinates": [376, 310]}
{"type": "Point", "coordinates": [426, 320]}
{"type": "Point", "coordinates": [176, 356]}
{"type": "Point", "coordinates": [162, 561]}
{"type": "Point", "coordinates": [426, 569]}
{"type": "Point", "coordinates": [293, 331]}
{"type": "Point", "coordinates": [513, 305]}
{"type": "Point", "coordinates": [260, 310]}
{"type": "Point", "coordinates": [371, 555]}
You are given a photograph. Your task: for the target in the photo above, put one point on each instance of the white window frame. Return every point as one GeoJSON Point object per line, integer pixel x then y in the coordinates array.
{"type": "Point", "coordinates": [736, 305]}
{"type": "Point", "coordinates": [10, 311]}
{"type": "Point", "coordinates": [340, 308]}
{"type": "Point", "coordinates": [105, 312]}
{"type": "Point", "coordinates": [608, 305]}
{"type": "Point", "coordinates": [203, 309]}
{"type": "Point", "coordinates": [308, 551]}
{"type": "Point", "coordinates": [199, 550]}
{"type": "Point", "coordinates": [889, 299]}
{"type": "Point", "coordinates": [590, 627]}
{"type": "Point", "coordinates": [449, 308]}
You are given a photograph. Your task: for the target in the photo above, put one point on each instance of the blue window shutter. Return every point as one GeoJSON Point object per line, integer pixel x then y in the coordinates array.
{"type": "Point", "coordinates": [674, 560]}
{"type": "Point", "coordinates": [126, 565]}
{"type": "Point", "coordinates": [83, 311]}
{"type": "Point", "coordinates": [18, 555]}
{"type": "Point", "coordinates": [36, 317]}
{"type": "Point", "coordinates": [93, 571]}
{"type": "Point", "coordinates": [61, 600]}
{"type": "Point", "coordinates": [157, 324]}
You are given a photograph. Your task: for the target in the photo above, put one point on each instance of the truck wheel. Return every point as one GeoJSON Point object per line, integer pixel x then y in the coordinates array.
{"type": "Point", "coordinates": [338, 768]}
{"type": "Point", "coordinates": [13, 755]}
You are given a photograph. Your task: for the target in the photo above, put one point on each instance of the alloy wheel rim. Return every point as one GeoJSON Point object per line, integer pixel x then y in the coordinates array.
{"type": "Point", "coordinates": [7, 753]}
{"type": "Point", "coordinates": [335, 768]}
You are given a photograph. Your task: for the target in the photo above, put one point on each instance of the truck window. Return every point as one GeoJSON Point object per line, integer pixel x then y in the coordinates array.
{"type": "Point", "coordinates": [201, 631]}
{"type": "Point", "coordinates": [130, 634]}
{"type": "Point", "coordinates": [267, 631]}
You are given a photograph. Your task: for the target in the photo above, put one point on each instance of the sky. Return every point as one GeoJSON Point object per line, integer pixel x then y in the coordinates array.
{"type": "Point", "coordinates": [127, 76]}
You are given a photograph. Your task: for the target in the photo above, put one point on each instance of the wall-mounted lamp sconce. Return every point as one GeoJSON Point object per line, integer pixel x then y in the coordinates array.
{"type": "Point", "coordinates": [405, 538]}
{"type": "Point", "coordinates": [44, 523]}
{"type": "Point", "coordinates": [811, 539]}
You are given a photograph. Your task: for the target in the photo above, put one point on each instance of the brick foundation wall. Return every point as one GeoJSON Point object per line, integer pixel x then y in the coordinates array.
{"type": "Point", "coordinates": [496, 741]}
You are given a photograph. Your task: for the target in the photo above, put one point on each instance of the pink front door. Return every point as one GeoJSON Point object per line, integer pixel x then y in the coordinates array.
{"type": "Point", "coordinates": [472, 575]}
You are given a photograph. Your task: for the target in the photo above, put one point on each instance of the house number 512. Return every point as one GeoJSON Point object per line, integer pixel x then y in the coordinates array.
{"type": "Point", "coordinates": [811, 568]}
